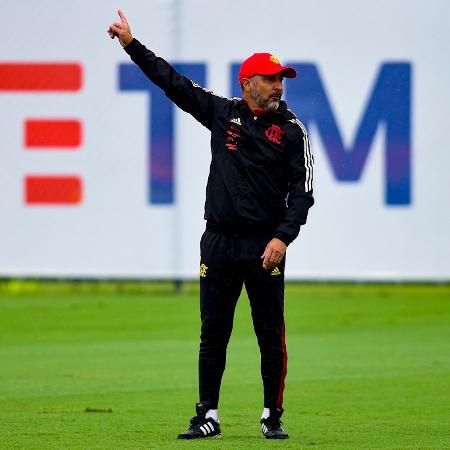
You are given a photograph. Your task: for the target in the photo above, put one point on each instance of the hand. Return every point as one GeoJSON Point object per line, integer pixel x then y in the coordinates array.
{"type": "Point", "coordinates": [273, 254]}
{"type": "Point", "coordinates": [121, 30]}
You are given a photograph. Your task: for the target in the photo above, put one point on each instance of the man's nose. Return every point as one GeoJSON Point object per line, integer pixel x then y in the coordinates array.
{"type": "Point", "coordinates": [278, 85]}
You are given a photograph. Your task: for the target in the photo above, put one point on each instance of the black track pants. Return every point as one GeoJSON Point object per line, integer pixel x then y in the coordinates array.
{"type": "Point", "coordinates": [227, 263]}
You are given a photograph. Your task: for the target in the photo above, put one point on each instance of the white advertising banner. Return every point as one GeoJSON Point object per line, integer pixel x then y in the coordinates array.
{"type": "Point", "coordinates": [101, 176]}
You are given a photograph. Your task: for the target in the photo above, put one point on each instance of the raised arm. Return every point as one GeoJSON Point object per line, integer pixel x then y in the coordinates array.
{"type": "Point", "coordinates": [201, 103]}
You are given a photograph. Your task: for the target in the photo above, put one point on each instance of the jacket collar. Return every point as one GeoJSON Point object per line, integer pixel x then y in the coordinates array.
{"type": "Point", "coordinates": [282, 110]}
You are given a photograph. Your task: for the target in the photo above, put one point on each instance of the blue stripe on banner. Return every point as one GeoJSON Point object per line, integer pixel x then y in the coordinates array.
{"type": "Point", "coordinates": [161, 135]}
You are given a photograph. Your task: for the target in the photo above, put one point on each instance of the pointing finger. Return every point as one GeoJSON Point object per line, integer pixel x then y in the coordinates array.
{"type": "Point", "coordinates": [122, 17]}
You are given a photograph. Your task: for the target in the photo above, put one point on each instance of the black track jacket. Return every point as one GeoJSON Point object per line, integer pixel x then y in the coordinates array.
{"type": "Point", "coordinates": [260, 179]}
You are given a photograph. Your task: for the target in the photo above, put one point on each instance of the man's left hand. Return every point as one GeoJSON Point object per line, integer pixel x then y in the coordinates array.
{"type": "Point", "coordinates": [273, 254]}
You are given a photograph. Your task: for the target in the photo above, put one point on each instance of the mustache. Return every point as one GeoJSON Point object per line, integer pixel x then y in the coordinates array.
{"type": "Point", "coordinates": [276, 94]}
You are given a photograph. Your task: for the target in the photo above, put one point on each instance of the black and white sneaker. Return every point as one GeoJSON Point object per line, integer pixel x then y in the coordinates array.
{"type": "Point", "coordinates": [272, 426]}
{"type": "Point", "coordinates": [201, 427]}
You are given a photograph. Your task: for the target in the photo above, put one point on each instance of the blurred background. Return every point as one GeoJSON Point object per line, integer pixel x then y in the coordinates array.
{"type": "Point", "coordinates": [102, 187]}
{"type": "Point", "coordinates": [101, 177]}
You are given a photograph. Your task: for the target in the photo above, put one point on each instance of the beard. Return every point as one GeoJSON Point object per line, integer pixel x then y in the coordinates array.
{"type": "Point", "coordinates": [267, 105]}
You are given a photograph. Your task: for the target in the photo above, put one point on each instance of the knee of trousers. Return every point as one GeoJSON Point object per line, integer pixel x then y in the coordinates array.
{"type": "Point", "coordinates": [214, 335]}
{"type": "Point", "coordinates": [269, 337]}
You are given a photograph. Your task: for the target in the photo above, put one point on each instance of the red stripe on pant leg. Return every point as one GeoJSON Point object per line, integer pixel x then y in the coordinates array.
{"type": "Point", "coordinates": [52, 133]}
{"type": "Point", "coordinates": [41, 77]}
{"type": "Point", "coordinates": [53, 190]}
{"type": "Point", "coordinates": [284, 371]}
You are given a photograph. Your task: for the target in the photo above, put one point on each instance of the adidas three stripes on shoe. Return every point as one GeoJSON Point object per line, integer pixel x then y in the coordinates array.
{"type": "Point", "coordinates": [201, 427]}
{"type": "Point", "coordinates": [272, 427]}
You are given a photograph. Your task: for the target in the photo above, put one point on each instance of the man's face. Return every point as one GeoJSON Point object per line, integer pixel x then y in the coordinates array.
{"type": "Point", "coordinates": [266, 91]}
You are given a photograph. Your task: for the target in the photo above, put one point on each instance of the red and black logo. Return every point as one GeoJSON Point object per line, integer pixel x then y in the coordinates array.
{"type": "Point", "coordinates": [274, 134]}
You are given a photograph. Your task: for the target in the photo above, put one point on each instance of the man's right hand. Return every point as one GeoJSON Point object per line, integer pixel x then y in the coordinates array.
{"type": "Point", "coordinates": [121, 30]}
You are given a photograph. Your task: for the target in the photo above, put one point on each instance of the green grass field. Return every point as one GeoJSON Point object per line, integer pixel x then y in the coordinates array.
{"type": "Point", "coordinates": [369, 368]}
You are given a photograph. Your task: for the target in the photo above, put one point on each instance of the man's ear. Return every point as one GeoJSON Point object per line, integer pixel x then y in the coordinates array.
{"type": "Point", "coordinates": [246, 85]}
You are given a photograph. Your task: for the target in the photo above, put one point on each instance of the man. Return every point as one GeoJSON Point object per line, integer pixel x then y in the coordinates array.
{"type": "Point", "coordinates": [258, 194]}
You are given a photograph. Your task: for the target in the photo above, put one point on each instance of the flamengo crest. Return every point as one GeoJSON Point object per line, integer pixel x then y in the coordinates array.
{"type": "Point", "coordinates": [274, 134]}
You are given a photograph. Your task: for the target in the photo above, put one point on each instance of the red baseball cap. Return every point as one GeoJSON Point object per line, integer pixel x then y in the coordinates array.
{"type": "Point", "coordinates": [264, 64]}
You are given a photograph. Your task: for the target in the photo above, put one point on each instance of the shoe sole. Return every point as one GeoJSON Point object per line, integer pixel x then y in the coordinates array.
{"type": "Point", "coordinates": [216, 436]}
{"type": "Point", "coordinates": [276, 437]}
